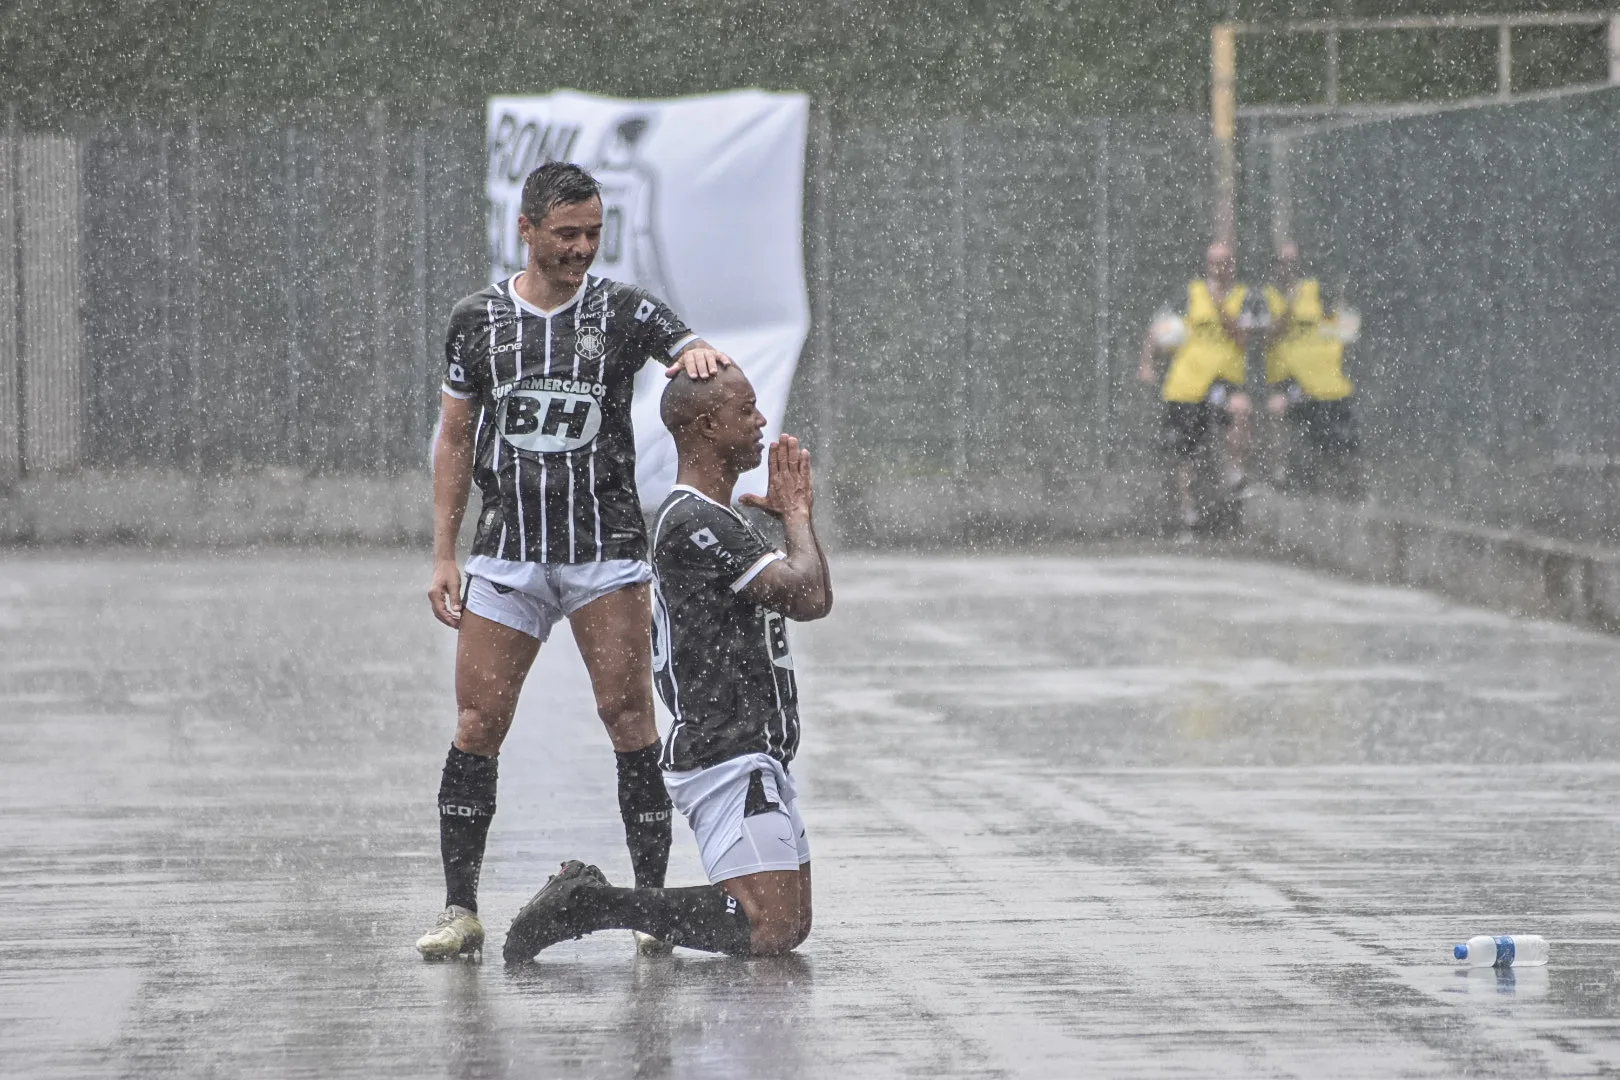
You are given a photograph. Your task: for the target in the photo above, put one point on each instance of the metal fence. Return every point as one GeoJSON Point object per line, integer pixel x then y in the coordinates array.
{"type": "Point", "coordinates": [1480, 246]}
{"type": "Point", "coordinates": [271, 294]}
{"type": "Point", "coordinates": [982, 289]}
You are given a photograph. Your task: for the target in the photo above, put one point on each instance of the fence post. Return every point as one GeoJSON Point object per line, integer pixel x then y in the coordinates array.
{"type": "Point", "coordinates": [419, 283]}
{"type": "Point", "coordinates": [1104, 282]}
{"type": "Point", "coordinates": [959, 456]}
{"type": "Point", "coordinates": [291, 277]}
{"type": "Point", "coordinates": [52, 346]}
{"type": "Point", "coordinates": [825, 386]}
{"type": "Point", "coordinates": [1504, 61]}
{"type": "Point", "coordinates": [382, 395]}
{"type": "Point", "coordinates": [192, 423]}
{"type": "Point", "coordinates": [169, 443]}
{"type": "Point", "coordinates": [11, 390]}
{"type": "Point", "coordinates": [1614, 49]}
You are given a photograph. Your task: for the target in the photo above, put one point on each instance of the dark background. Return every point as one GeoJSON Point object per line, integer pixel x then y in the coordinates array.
{"type": "Point", "coordinates": [62, 60]}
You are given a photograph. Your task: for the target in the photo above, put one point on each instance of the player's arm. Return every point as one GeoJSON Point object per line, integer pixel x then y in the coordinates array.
{"type": "Point", "coordinates": [798, 585]}
{"type": "Point", "coordinates": [452, 479]}
{"type": "Point", "coordinates": [452, 467]}
{"type": "Point", "coordinates": [665, 334]}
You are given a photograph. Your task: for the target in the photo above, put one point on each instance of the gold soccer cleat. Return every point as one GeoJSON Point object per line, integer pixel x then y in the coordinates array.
{"type": "Point", "coordinates": [457, 933]}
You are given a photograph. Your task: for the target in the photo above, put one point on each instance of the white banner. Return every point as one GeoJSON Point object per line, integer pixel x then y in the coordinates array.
{"type": "Point", "coordinates": [701, 206]}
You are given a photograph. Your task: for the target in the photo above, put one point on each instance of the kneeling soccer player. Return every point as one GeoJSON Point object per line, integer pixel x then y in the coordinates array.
{"type": "Point", "coordinates": [722, 666]}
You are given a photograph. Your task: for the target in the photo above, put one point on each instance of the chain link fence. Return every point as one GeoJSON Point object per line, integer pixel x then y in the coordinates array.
{"type": "Point", "coordinates": [270, 295]}
{"type": "Point", "coordinates": [983, 288]}
{"type": "Point", "coordinates": [1479, 246]}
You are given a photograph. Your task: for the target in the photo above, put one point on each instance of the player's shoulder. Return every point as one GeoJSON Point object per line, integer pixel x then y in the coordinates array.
{"type": "Point", "coordinates": [612, 287]}
{"type": "Point", "coordinates": [492, 300]}
{"type": "Point", "coordinates": [683, 506]}
{"type": "Point", "coordinates": [631, 297]}
{"type": "Point", "coordinates": [685, 513]}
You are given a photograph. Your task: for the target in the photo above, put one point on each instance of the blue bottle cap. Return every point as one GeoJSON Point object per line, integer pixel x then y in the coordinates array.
{"type": "Point", "coordinates": [1460, 951]}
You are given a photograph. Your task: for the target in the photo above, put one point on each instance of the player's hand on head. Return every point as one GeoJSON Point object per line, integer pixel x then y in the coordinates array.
{"type": "Point", "coordinates": [787, 491]}
{"type": "Point", "coordinates": [698, 361]}
{"type": "Point", "coordinates": [444, 594]}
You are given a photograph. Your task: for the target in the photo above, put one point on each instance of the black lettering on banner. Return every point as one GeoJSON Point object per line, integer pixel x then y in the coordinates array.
{"type": "Point", "coordinates": [560, 414]}
{"type": "Point", "coordinates": [514, 155]}
{"type": "Point", "coordinates": [522, 149]}
{"type": "Point", "coordinates": [522, 415]}
{"type": "Point", "coordinates": [501, 144]}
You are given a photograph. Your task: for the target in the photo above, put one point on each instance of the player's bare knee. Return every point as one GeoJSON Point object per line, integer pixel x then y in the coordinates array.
{"type": "Point", "coordinates": [479, 732]}
{"type": "Point", "coordinates": [773, 936]}
{"type": "Point", "coordinates": [628, 716]}
{"type": "Point", "coordinates": [1238, 405]}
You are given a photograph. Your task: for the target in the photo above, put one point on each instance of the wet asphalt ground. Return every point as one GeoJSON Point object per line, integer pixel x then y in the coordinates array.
{"type": "Point", "coordinates": [1088, 815]}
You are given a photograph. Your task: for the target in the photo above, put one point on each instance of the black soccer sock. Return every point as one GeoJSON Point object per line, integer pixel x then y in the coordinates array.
{"type": "Point", "coordinates": [699, 917]}
{"type": "Point", "coordinates": [645, 807]}
{"type": "Point", "coordinates": [466, 805]}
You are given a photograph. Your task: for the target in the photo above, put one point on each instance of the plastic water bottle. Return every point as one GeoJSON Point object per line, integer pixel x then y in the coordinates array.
{"type": "Point", "coordinates": [1509, 950]}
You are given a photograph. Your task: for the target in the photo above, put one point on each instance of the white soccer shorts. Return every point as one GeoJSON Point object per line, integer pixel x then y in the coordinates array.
{"type": "Point", "coordinates": [732, 842]}
{"type": "Point", "coordinates": [532, 597]}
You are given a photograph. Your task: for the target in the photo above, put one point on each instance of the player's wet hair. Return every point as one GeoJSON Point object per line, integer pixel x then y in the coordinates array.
{"type": "Point", "coordinates": [554, 184]}
{"type": "Point", "coordinates": [686, 399]}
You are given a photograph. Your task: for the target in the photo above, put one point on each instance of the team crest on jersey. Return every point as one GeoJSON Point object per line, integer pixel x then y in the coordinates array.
{"type": "Point", "coordinates": [591, 343]}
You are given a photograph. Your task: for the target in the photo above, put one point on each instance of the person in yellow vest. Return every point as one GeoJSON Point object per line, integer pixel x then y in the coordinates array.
{"type": "Point", "coordinates": [1203, 384]}
{"type": "Point", "coordinates": [1305, 361]}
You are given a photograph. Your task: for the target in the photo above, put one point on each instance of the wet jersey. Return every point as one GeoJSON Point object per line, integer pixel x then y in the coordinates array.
{"type": "Point", "coordinates": [720, 661]}
{"type": "Point", "coordinates": [556, 455]}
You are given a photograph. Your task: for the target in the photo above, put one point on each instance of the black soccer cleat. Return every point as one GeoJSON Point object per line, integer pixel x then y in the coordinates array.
{"type": "Point", "coordinates": [553, 914]}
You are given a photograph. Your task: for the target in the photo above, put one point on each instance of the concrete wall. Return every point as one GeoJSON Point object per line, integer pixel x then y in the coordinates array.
{"type": "Point", "coordinates": [152, 506]}
{"type": "Point", "coordinates": [1515, 572]}
{"type": "Point", "coordinates": [279, 505]}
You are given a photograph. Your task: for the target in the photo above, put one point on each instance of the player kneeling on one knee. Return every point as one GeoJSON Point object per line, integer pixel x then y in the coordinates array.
{"type": "Point", "coordinates": [722, 595]}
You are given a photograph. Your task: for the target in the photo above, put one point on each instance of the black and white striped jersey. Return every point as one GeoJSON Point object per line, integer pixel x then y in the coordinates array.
{"type": "Point", "coordinates": [720, 661]}
{"type": "Point", "coordinates": [556, 454]}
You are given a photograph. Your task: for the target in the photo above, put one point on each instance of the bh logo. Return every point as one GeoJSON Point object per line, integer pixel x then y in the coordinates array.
{"type": "Point", "coordinates": [548, 421]}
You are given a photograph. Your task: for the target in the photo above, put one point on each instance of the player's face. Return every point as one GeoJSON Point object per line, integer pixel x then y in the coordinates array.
{"type": "Point", "coordinates": [563, 244]}
{"type": "Point", "coordinates": [738, 427]}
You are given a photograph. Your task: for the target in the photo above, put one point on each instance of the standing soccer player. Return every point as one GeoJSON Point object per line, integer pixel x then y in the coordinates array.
{"type": "Point", "coordinates": [540, 370]}
{"type": "Point", "coordinates": [723, 667]}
